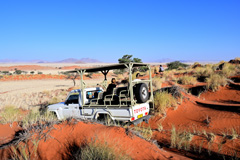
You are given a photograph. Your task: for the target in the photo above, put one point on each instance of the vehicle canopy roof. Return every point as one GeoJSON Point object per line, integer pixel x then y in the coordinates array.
{"type": "Point", "coordinates": [109, 67]}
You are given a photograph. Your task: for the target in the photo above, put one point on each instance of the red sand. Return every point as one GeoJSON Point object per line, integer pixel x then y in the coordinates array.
{"type": "Point", "coordinates": [190, 116]}
{"type": "Point", "coordinates": [224, 94]}
{"type": "Point", "coordinates": [26, 68]}
{"type": "Point", "coordinates": [64, 134]}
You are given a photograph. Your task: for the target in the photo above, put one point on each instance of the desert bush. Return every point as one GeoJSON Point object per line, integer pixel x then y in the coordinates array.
{"type": "Point", "coordinates": [24, 150]}
{"type": "Point", "coordinates": [169, 74]}
{"type": "Point", "coordinates": [17, 71]}
{"type": "Point", "coordinates": [97, 151]}
{"type": "Point", "coordinates": [54, 100]}
{"type": "Point", "coordinates": [157, 82]}
{"type": "Point", "coordinates": [40, 72]}
{"type": "Point", "coordinates": [209, 136]}
{"type": "Point", "coordinates": [9, 114]}
{"type": "Point", "coordinates": [180, 139]}
{"type": "Point", "coordinates": [145, 132]}
{"type": "Point", "coordinates": [163, 100]}
{"type": "Point", "coordinates": [176, 65]}
{"type": "Point", "coordinates": [187, 80]}
{"type": "Point", "coordinates": [32, 72]}
{"type": "Point", "coordinates": [160, 127]}
{"type": "Point", "coordinates": [20, 151]}
{"type": "Point", "coordinates": [233, 135]}
{"type": "Point", "coordinates": [229, 70]}
{"type": "Point", "coordinates": [204, 71]}
{"type": "Point", "coordinates": [36, 117]}
{"type": "Point", "coordinates": [5, 72]}
{"type": "Point", "coordinates": [215, 81]}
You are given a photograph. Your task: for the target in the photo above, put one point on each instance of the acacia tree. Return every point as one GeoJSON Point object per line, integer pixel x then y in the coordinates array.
{"type": "Point", "coordinates": [127, 59]}
{"type": "Point", "coordinates": [73, 77]}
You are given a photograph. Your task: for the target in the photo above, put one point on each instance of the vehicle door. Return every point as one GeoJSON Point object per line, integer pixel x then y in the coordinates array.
{"type": "Point", "coordinates": [71, 107]}
{"type": "Point", "coordinates": [90, 99]}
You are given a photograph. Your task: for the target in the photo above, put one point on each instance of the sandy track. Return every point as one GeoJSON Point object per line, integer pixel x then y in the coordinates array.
{"type": "Point", "coordinates": [29, 93]}
{"type": "Point", "coordinates": [25, 94]}
{"type": "Point", "coordinates": [33, 86]}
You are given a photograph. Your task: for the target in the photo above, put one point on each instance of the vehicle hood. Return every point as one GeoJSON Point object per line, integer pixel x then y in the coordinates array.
{"type": "Point", "coordinates": [56, 106]}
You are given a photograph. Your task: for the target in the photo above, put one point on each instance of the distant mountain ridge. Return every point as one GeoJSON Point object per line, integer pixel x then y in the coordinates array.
{"type": "Point", "coordinates": [68, 60]}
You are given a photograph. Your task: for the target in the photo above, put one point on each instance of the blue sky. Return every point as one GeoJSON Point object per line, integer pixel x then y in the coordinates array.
{"type": "Point", "coordinates": [152, 30]}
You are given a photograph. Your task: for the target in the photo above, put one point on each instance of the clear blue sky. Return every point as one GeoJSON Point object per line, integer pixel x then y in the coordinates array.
{"type": "Point", "coordinates": [107, 29]}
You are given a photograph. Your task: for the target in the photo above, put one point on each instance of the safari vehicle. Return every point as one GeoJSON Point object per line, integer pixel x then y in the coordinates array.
{"type": "Point", "coordinates": [130, 103]}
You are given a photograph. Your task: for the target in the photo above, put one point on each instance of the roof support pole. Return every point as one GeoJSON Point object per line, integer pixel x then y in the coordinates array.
{"type": "Point", "coordinates": [130, 83]}
{"type": "Point", "coordinates": [81, 72]}
{"type": "Point", "coordinates": [151, 87]}
{"type": "Point", "coordinates": [105, 72]}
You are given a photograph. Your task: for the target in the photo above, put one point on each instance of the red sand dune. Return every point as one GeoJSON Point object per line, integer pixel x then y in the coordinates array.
{"type": "Point", "coordinates": [43, 76]}
{"type": "Point", "coordinates": [190, 116]}
{"type": "Point", "coordinates": [26, 68]}
{"type": "Point", "coordinates": [224, 94]}
{"type": "Point", "coordinates": [57, 145]}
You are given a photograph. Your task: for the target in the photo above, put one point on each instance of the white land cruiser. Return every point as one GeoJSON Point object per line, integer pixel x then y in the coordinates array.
{"type": "Point", "coordinates": [125, 104]}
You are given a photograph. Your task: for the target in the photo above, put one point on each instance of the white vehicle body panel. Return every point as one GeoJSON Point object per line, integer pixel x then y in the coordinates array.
{"type": "Point", "coordinates": [64, 111]}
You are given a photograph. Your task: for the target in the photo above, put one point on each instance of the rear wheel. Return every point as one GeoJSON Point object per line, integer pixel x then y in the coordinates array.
{"type": "Point", "coordinates": [141, 92]}
{"type": "Point", "coordinates": [106, 119]}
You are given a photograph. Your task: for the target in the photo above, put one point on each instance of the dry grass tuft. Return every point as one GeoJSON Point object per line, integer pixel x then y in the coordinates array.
{"type": "Point", "coordinates": [215, 81]}
{"type": "Point", "coordinates": [97, 149]}
{"type": "Point", "coordinates": [157, 82]}
{"type": "Point", "coordinates": [204, 71]}
{"type": "Point", "coordinates": [229, 70]}
{"type": "Point", "coordinates": [163, 100]}
{"type": "Point", "coordinates": [145, 132]}
{"type": "Point", "coordinates": [187, 80]}
{"type": "Point", "coordinates": [181, 139]}
{"type": "Point", "coordinates": [9, 114]}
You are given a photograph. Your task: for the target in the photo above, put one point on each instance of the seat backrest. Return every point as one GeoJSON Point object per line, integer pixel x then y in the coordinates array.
{"type": "Point", "coordinates": [100, 95]}
{"type": "Point", "coordinates": [96, 94]}
{"type": "Point", "coordinates": [119, 89]}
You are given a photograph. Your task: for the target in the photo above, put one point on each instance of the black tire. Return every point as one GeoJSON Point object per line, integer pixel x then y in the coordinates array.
{"type": "Point", "coordinates": [105, 119]}
{"type": "Point", "coordinates": [141, 93]}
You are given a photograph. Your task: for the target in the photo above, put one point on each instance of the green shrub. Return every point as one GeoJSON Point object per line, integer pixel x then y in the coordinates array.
{"type": "Point", "coordinates": [176, 65]}
{"type": "Point", "coordinates": [5, 72]}
{"type": "Point", "coordinates": [163, 100]}
{"type": "Point", "coordinates": [215, 81]}
{"type": "Point", "coordinates": [17, 71]}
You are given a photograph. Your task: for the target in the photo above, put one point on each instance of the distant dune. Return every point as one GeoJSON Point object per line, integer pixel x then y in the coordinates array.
{"type": "Point", "coordinates": [68, 60]}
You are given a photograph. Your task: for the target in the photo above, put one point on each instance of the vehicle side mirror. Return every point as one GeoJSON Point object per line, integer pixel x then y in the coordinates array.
{"type": "Point", "coordinates": [67, 102]}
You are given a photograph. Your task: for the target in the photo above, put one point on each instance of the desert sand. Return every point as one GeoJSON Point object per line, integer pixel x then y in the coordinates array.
{"type": "Point", "coordinates": [209, 120]}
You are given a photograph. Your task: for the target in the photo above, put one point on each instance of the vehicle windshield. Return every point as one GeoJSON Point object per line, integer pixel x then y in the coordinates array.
{"type": "Point", "coordinates": [73, 99]}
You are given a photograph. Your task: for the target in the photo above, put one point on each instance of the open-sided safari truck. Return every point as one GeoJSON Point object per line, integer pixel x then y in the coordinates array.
{"type": "Point", "coordinates": [130, 103]}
